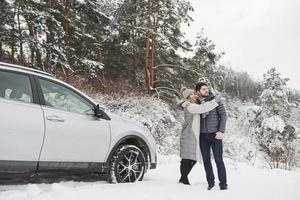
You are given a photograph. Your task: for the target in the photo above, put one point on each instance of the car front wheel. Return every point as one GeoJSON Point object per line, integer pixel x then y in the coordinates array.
{"type": "Point", "coordinates": [127, 165]}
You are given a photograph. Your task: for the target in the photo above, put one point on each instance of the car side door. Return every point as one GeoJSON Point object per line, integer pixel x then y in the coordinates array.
{"type": "Point", "coordinates": [21, 122]}
{"type": "Point", "coordinates": [75, 138]}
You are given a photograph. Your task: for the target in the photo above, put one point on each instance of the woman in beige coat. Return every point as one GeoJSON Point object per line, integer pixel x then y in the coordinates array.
{"type": "Point", "coordinates": [189, 138]}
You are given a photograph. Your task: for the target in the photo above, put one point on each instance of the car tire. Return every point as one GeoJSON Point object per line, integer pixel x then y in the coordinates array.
{"type": "Point", "coordinates": [127, 165]}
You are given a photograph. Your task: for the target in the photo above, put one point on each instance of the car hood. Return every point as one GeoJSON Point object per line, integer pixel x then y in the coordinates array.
{"type": "Point", "coordinates": [127, 124]}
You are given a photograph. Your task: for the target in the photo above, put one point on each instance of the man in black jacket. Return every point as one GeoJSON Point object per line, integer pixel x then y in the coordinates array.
{"type": "Point", "coordinates": [213, 126]}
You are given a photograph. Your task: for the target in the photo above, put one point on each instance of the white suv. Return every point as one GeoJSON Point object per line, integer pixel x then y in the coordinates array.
{"type": "Point", "coordinates": [47, 126]}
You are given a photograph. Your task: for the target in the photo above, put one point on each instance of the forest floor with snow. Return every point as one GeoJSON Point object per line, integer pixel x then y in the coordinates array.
{"type": "Point", "coordinates": [245, 182]}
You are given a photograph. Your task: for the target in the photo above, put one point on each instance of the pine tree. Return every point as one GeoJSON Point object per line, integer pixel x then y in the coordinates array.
{"type": "Point", "coordinates": [88, 29]}
{"type": "Point", "coordinates": [7, 35]}
{"type": "Point", "coordinates": [274, 134]}
{"type": "Point", "coordinates": [131, 30]}
{"type": "Point", "coordinates": [166, 39]}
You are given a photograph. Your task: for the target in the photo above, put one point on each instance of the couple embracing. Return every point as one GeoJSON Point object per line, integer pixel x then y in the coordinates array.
{"type": "Point", "coordinates": [203, 129]}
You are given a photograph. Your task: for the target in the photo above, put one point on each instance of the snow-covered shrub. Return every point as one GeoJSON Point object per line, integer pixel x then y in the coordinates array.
{"type": "Point", "coordinates": [150, 112]}
{"type": "Point", "coordinates": [239, 143]}
{"type": "Point", "coordinates": [275, 135]}
{"type": "Point", "coordinates": [295, 122]}
{"type": "Point", "coordinates": [277, 140]}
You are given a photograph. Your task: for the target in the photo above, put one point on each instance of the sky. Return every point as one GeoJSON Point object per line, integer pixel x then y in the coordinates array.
{"type": "Point", "coordinates": [254, 34]}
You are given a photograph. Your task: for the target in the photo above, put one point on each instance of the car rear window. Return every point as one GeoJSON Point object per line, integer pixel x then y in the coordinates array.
{"type": "Point", "coordinates": [16, 87]}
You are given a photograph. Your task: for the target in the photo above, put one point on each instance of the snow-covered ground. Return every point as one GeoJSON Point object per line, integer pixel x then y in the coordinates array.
{"type": "Point", "coordinates": [245, 182]}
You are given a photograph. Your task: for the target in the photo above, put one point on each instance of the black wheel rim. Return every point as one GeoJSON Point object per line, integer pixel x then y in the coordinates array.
{"type": "Point", "coordinates": [130, 167]}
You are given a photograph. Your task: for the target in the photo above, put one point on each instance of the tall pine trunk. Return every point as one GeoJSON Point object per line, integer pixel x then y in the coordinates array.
{"type": "Point", "coordinates": [13, 39]}
{"type": "Point", "coordinates": [22, 59]}
{"type": "Point", "coordinates": [1, 51]}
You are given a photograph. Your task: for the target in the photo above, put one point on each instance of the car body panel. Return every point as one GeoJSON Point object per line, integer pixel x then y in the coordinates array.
{"type": "Point", "coordinates": [120, 128]}
{"type": "Point", "coordinates": [79, 142]}
{"type": "Point", "coordinates": [78, 138]}
{"type": "Point", "coordinates": [22, 133]}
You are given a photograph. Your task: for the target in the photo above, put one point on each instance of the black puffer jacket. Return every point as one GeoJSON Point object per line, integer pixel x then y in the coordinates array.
{"type": "Point", "coordinates": [216, 119]}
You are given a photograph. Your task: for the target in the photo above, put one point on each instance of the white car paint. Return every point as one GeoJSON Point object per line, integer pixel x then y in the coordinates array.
{"type": "Point", "coordinates": [22, 130]}
{"type": "Point", "coordinates": [69, 138]}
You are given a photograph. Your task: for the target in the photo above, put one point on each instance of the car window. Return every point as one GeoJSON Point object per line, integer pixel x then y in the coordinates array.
{"type": "Point", "coordinates": [63, 98]}
{"type": "Point", "coordinates": [14, 86]}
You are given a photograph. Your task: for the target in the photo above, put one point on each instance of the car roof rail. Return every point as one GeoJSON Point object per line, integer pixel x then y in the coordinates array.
{"type": "Point", "coordinates": [25, 68]}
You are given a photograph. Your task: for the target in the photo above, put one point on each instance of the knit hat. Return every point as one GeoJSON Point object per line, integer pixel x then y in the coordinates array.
{"type": "Point", "coordinates": [187, 92]}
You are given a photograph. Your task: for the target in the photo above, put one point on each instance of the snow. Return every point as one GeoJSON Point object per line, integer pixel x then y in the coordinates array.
{"type": "Point", "coordinates": [6, 26]}
{"type": "Point", "coordinates": [81, 1]}
{"type": "Point", "coordinates": [10, 1]}
{"type": "Point", "coordinates": [274, 123]}
{"type": "Point", "coordinates": [245, 182]}
{"type": "Point", "coordinates": [92, 63]}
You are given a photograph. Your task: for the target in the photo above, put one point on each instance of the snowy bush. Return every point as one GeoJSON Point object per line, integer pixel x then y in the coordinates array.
{"type": "Point", "coordinates": [275, 135]}
{"type": "Point", "coordinates": [277, 140]}
{"type": "Point", "coordinates": [295, 122]}
{"type": "Point", "coordinates": [150, 112]}
{"type": "Point", "coordinates": [165, 124]}
{"type": "Point", "coordinates": [240, 143]}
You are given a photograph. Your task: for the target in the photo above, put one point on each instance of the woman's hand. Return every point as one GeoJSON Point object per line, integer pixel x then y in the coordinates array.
{"type": "Point", "coordinates": [218, 98]}
{"type": "Point", "coordinates": [219, 135]}
{"type": "Point", "coordinates": [185, 104]}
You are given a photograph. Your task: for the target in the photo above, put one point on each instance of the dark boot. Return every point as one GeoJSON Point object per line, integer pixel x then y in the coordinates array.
{"type": "Point", "coordinates": [223, 187]}
{"type": "Point", "coordinates": [186, 166]}
{"type": "Point", "coordinates": [184, 180]}
{"type": "Point", "coordinates": [210, 186]}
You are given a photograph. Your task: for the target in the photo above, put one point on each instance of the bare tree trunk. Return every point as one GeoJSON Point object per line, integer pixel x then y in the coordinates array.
{"type": "Point", "coordinates": [66, 24]}
{"type": "Point", "coordinates": [1, 51]}
{"type": "Point", "coordinates": [31, 34]}
{"type": "Point", "coordinates": [134, 53]}
{"type": "Point", "coordinates": [237, 87]}
{"type": "Point", "coordinates": [39, 58]}
{"type": "Point", "coordinates": [48, 37]}
{"type": "Point", "coordinates": [20, 37]}
{"type": "Point", "coordinates": [36, 54]}
{"type": "Point", "coordinates": [12, 45]}
{"type": "Point", "coordinates": [147, 72]}
{"type": "Point", "coordinates": [152, 73]}
{"type": "Point", "coordinates": [150, 48]}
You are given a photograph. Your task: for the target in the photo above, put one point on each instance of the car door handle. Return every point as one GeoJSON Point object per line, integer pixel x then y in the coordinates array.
{"type": "Point", "coordinates": [55, 118]}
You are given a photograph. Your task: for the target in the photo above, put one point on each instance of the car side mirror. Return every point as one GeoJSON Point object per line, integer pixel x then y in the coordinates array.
{"type": "Point", "coordinates": [100, 113]}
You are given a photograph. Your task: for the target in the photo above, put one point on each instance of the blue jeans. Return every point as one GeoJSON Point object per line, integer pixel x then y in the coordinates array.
{"type": "Point", "coordinates": [208, 141]}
